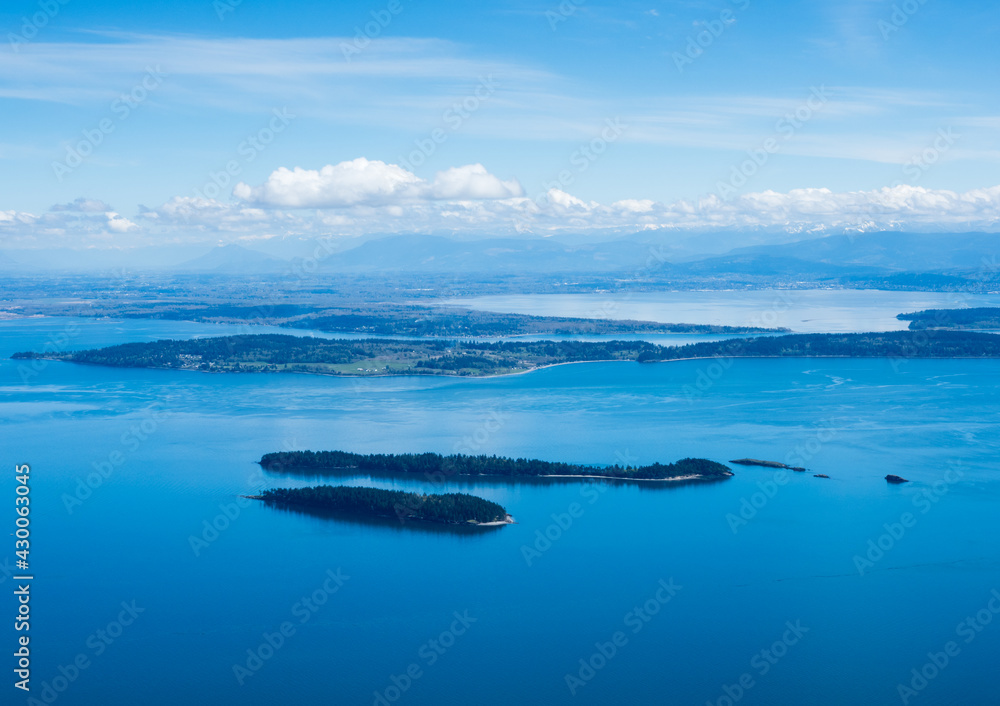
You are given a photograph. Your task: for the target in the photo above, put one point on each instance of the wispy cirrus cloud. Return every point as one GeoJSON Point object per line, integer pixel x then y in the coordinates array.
{"type": "Point", "coordinates": [226, 72]}
{"type": "Point", "coordinates": [400, 83]}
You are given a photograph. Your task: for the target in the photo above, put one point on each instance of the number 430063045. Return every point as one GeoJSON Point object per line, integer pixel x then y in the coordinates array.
{"type": "Point", "coordinates": [21, 503]}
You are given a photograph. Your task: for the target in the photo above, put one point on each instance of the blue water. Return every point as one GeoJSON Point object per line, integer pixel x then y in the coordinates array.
{"type": "Point", "coordinates": [185, 444]}
{"type": "Point", "coordinates": [801, 310]}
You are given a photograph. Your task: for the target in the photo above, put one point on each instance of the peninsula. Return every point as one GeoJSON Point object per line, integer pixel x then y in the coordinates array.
{"type": "Point", "coordinates": [983, 318]}
{"type": "Point", "coordinates": [436, 467]}
{"type": "Point", "coordinates": [375, 356]}
{"type": "Point", "coordinates": [450, 508]}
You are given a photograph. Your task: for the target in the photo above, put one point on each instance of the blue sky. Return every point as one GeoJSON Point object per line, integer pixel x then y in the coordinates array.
{"type": "Point", "coordinates": [577, 115]}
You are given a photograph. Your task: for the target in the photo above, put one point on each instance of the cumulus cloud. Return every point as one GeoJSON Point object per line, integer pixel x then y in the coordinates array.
{"type": "Point", "coordinates": [345, 184]}
{"type": "Point", "coordinates": [69, 224]}
{"type": "Point", "coordinates": [119, 224]}
{"type": "Point", "coordinates": [372, 182]}
{"type": "Point", "coordinates": [11, 219]}
{"type": "Point", "coordinates": [472, 182]}
{"type": "Point", "coordinates": [481, 203]}
{"type": "Point", "coordinates": [799, 210]}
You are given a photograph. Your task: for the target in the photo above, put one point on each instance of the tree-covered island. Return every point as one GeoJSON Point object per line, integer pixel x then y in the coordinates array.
{"type": "Point", "coordinates": [436, 467]}
{"type": "Point", "coordinates": [449, 508]}
{"type": "Point", "coordinates": [983, 318]}
{"type": "Point", "coordinates": [373, 356]}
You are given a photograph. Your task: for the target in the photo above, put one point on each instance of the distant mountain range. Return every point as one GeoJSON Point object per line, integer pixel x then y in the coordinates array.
{"type": "Point", "coordinates": [836, 256]}
{"type": "Point", "coordinates": [886, 251]}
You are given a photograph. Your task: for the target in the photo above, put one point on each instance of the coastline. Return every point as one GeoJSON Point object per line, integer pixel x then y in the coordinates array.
{"type": "Point", "coordinates": [57, 359]}
{"type": "Point", "coordinates": [403, 474]}
{"type": "Point", "coordinates": [508, 520]}
{"type": "Point", "coordinates": [640, 480]}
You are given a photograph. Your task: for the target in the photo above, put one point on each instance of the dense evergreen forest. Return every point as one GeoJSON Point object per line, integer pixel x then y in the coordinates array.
{"type": "Point", "coordinates": [436, 466]}
{"type": "Point", "coordinates": [453, 508]}
{"type": "Point", "coordinates": [372, 356]}
{"type": "Point", "coordinates": [888, 344]}
{"type": "Point", "coordinates": [974, 318]}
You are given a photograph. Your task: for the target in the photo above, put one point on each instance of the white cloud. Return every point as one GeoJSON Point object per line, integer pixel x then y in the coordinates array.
{"type": "Point", "coordinates": [189, 219]}
{"type": "Point", "coordinates": [563, 202]}
{"type": "Point", "coordinates": [371, 182]}
{"type": "Point", "coordinates": [71, 224]}
{"type": "Point", "coordinates": [799, 210]}
{"type": "Point", "coordinates": [119, 224]}
{"type": "Point", "coordinates": [472, 182]}
{"type": "Point", "coordinates": [345, 184]}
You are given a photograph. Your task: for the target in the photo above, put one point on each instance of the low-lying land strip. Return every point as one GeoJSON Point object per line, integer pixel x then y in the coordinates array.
{"type": "Point", "coordinates": [435, 466]}
{"type": "Point", "coordinates": [282, 353]}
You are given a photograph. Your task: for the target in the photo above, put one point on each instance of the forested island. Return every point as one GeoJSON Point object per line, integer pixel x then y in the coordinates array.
{"type": "Point", "coordinates": [982, 318]}
{"type": "Point", "coordinates": [450, 508]}
{"type": "Point", "coordinates": [437, 467]}
{"type": "Point", "coordinates": [301, 354]}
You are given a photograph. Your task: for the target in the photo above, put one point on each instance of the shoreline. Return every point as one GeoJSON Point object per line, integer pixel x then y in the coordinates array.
{"type": "Point", "coordinates": [640, 480]}
{"type": "Point", "coordinates": [508, 520]}
{"type": "Point", "coordinates": [403, 474]}
{"type": "Point", "coordinates": [58, 359]}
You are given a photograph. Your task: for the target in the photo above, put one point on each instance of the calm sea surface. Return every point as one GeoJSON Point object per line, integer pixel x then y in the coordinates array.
{"type": "Point", "coordinates": [803, 311]}
{"type": "Point", "coordinates": [778, 590]}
